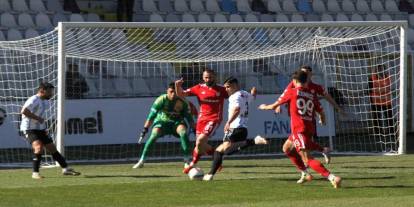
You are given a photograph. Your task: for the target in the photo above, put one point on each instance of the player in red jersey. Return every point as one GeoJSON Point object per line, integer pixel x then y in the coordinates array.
{"type": "Point", "coordinates": [211, 97]}
{"type": "Point", "coordinates": [288, 145]}
{"type": "Point", "coordinates": [302, 106]}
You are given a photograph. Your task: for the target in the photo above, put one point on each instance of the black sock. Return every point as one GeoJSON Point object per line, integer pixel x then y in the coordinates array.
{"type": "Point", "coordinates": [217, 160]}
{"type": "Point", "coordinates": [238, 146]}
{"type": "Point", "coordinates": [60, 159]}
{"type": "Point", "coordinates": [36, 162]}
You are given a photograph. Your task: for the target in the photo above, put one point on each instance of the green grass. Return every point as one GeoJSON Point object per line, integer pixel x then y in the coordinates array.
{"type": "Point", "coordinates": [367, 181]}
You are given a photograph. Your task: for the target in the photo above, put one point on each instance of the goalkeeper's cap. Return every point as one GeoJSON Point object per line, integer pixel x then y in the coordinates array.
{"type": "Point", "coordinates": [45, 86]}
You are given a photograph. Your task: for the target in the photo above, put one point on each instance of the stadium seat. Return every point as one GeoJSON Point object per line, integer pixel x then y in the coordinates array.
{"type": "Point", "coordinates": [165, 6]}
{"type": "Point", "coordinates": [313, 18]}
{"type": "Point", "coordinates": [93, 88]}
{"type": "Point", "coordinates": [391, 6]}
{"type": "Point", "coordinates": [76, 18]}
{"type": "Point", "coordinates": [37, 6]}
{"type": "Point", "coordinates": [356, 17]}
{"type": "Point", "coordinates": [251, 18]}
{"type": "Point", "coordinates": [197, 6]}
{"type": "Point", "coordinates": [252, 81]}
{"type": "Point", "coordinates": [122, 86]}
{"type": "Point", "coordinates": [181, 6]}
{"type": "Point", "coordinates": [274, 6]}
{"type": "Point", "coordinates": [228, 6]}
{"type": "Point", "coordinates": [348, 6]}
{"type": "Point", "coordinates": [297, 18]}
{"type": "Point", "coordinates": [108, 87]}
{"type": "Point", "coordinates": [29, 33]}
{"type": "Point", "coordinates": [326, 18]}
{"type": "Point", "coordinates": [282, 18]}
{"type": "Point", "coordinates": [188, 18]}
{"type": "Point", "coordinates": [14, 34]}
{"type": "Point", "coordinates": [333, 6]}
{"type": "Point", "coordinates": [154, 17]}
{"type": "Point", "coordinates": [269, 84]}
{"type": "Point", "coordinates": [371, 17]}
{"type": "Point", "coordinates": [341, 17]}
{"type": "Point", "coordinates": [25, 20]}
{"type": "Point", "coordinates": [2, 37]}
{"type": "Point", "coordinates": [385, 17]}
{"type": "Point", "coordinates": [266, 18]}
{"type": "Point", "coordinates": [243, 6]}
{"type": "Point", "coordinates": [5, 6]}
{"type": "Point", "coordinates": [7, 20]}
{"type": "Point", "coordinates": [20, 5]}
{"type": "Point", "coordinates": [59, 17]}
{"type": "Point", "coordinates": [42, 20]}
{"type": "Point", "coordinates": [212, 6]}
{"type": "Point", "coordinates": [235, 18]}
{"type": "Point", "coordinates": [141, 18]}
{"type": "Point", "coordinates": [203, 17]}
{"type": "Point", "coordinates": [92, 17]}
{"type": "Point", "coordinates": [140, 87]}
{"type": "Point", "coordinates": [304, 6]}
{"type": "Point", "coordinates": [149, 6]}
{"type": "Point", "coordinates": [376, 6]}
{"type": "Point", "coordinates": [172, 18]}
{"type": "Point", "coordinates": [318, 6]}
{"type": "Point", "coordinates": [362, 6]}
{"type": "Point", "coordinates": [53, 5]}
{"type": "Point", "coordinates": [411, 20]}
{"type": "Point", "coordinates": [220, 18]}
{"type": "Point", "coordinates": [289, 6]}
{"type": "Point", "coordinates": [410, 35]}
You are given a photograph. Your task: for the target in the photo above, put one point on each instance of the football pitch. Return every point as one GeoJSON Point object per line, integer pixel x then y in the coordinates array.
{"type": "Point", "coordinates": [367, 181]}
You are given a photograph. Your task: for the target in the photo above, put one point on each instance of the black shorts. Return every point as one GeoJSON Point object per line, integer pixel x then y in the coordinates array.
{"type": "Point", "coordinates": [236, 135]}
{"type": "Point", "coordinates": [41, 135]}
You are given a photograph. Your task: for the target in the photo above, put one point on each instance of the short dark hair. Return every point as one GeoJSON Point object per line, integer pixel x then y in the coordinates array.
{"type": "Point", "coordinates": [171, 85]}
{"type": "Point", "coordinates": [231, 80]}
{"type": "Point", "coordinates": [306, 67]}
{"type": "Point", "coordinates": [300, 76]}
{"type": "Point", "coordinates": [208, 70]}
{"type": "Point", "coordinates": [45, 86]}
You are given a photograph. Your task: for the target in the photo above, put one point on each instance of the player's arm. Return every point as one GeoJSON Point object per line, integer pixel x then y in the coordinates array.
{"type": "Point", "coordinates": [329, 98]}
{"type": "Point", "coordinates": [156, 106]}
{"type": "Point", "coordinates": [290, 85]}
{"type": "Point", "coordinates": [235, 111]}
{"type": "Point", "coordinates": [282, 100]}
{"type": "Point", "coordinates": [253, 94]}
{"type": "Point", "coordinates": [27, 111]}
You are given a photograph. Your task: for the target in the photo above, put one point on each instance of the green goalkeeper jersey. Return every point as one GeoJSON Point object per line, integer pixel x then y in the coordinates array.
{"type": "Point", "coordinates": [164, 110]}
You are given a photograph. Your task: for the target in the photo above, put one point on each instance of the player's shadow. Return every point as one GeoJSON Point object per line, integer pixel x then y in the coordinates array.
{"type": "Point", "coordinates": [372, 178]}
{"type": "Point", "coordinates": [129, 176]}
{"type": "Point", "coordinates": [258, 166]}
{"type": "Point", "coordinates": [269, 173]}
{"type": "Point", "coordinates": [380, 186]}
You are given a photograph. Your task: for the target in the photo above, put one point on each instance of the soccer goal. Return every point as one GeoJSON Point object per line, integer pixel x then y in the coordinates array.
{"type": "Point", "coordinates": [108, 74]}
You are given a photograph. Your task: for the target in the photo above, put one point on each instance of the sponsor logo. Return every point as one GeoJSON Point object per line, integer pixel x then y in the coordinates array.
{"type": "Point", "coordinates": [87, 125]}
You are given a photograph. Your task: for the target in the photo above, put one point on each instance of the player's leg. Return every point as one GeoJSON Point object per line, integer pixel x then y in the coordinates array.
{"type": "Point", "coordinates": [51, 148]}
{"type": "Point", "coordinates": [37, 147]}
{"type": "Point", "coordinates": [185, 142]}
{"type": "Point", "coordinates": [217, 160]}
{"type": "Point", "coordinates": [295, 158]}
{"type": "Point", "coordinates": [155, 134]}
{"type": "Point", "coordinates": [303, 141]}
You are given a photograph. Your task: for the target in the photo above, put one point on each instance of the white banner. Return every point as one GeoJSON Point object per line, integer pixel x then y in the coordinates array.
{"type": "Point", "coordinates": [119, 121]}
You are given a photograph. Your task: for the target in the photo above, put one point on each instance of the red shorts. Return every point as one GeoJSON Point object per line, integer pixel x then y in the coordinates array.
{"type": "Point", "coordinates": [207, 127]}
{"type": "Point", "coordinates": [302, 141]}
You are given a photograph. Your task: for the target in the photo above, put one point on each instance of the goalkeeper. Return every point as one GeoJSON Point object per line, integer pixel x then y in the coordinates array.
{"type": "Point", "coordinates": [167, 117]}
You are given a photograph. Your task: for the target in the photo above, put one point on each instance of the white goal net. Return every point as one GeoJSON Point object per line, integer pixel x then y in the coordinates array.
{"type": "Point", "coordinates": [114, 71]}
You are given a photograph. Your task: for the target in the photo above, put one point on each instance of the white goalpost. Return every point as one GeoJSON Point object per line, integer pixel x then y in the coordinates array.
{"type": "Point", "coordinates": [108, 74]}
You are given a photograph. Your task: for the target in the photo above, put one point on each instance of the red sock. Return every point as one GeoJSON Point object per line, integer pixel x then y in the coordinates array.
{"type": "Point", "coordinates": [296, 159]}
{"type": "Point", "coordinates": [196, 156]}
{"type": "Point", "coordinates": [318, 167]}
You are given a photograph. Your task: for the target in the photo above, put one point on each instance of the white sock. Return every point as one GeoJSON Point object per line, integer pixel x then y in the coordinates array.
{"type": "Point", "coordinates": [35, 173]}
{"type": "Point", "coordinates": [331, 177]}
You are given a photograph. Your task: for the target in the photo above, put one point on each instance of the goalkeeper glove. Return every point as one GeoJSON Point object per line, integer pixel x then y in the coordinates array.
{"type": "Point", "coordinates": [142, 135]}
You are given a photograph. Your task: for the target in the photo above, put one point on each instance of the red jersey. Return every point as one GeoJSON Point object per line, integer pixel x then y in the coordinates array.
{"type": "Point", "coordinates": [302, 106]}
{"type": "Point", "coordinates": [211, 100]}
{"type": "Point", "coordinates": [315, 88]}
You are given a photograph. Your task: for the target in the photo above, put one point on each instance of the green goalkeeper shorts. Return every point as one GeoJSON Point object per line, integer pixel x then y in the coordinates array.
{"type": "Point", "coordinates": [168, 127]}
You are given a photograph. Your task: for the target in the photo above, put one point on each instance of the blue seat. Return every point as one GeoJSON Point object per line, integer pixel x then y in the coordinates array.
{"type": "Point", "coordinates": [229, 6]}
{"type": "Point", "coordinates": [304, 6]}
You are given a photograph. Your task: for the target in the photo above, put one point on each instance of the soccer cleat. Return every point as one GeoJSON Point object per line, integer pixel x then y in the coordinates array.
{"type": "Point", "coordinates": [187, 168]}
{"type": "Point", "coordinates": [70, 171]}
{"type": "Point", "coordinates": [140, 164]}
{"type": "Point", "coordinates": [326, 155]}
{"type": "Point", "coordinates": [336, 182]}
{"type": "Point", "coordinates": [37, 176]}
{"type": "Point", "coordinates": [208, 177]}
{"type": "Point", "coordinates": [259, 140]}
{"type": "Point", "coordinates": [305, 177]}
